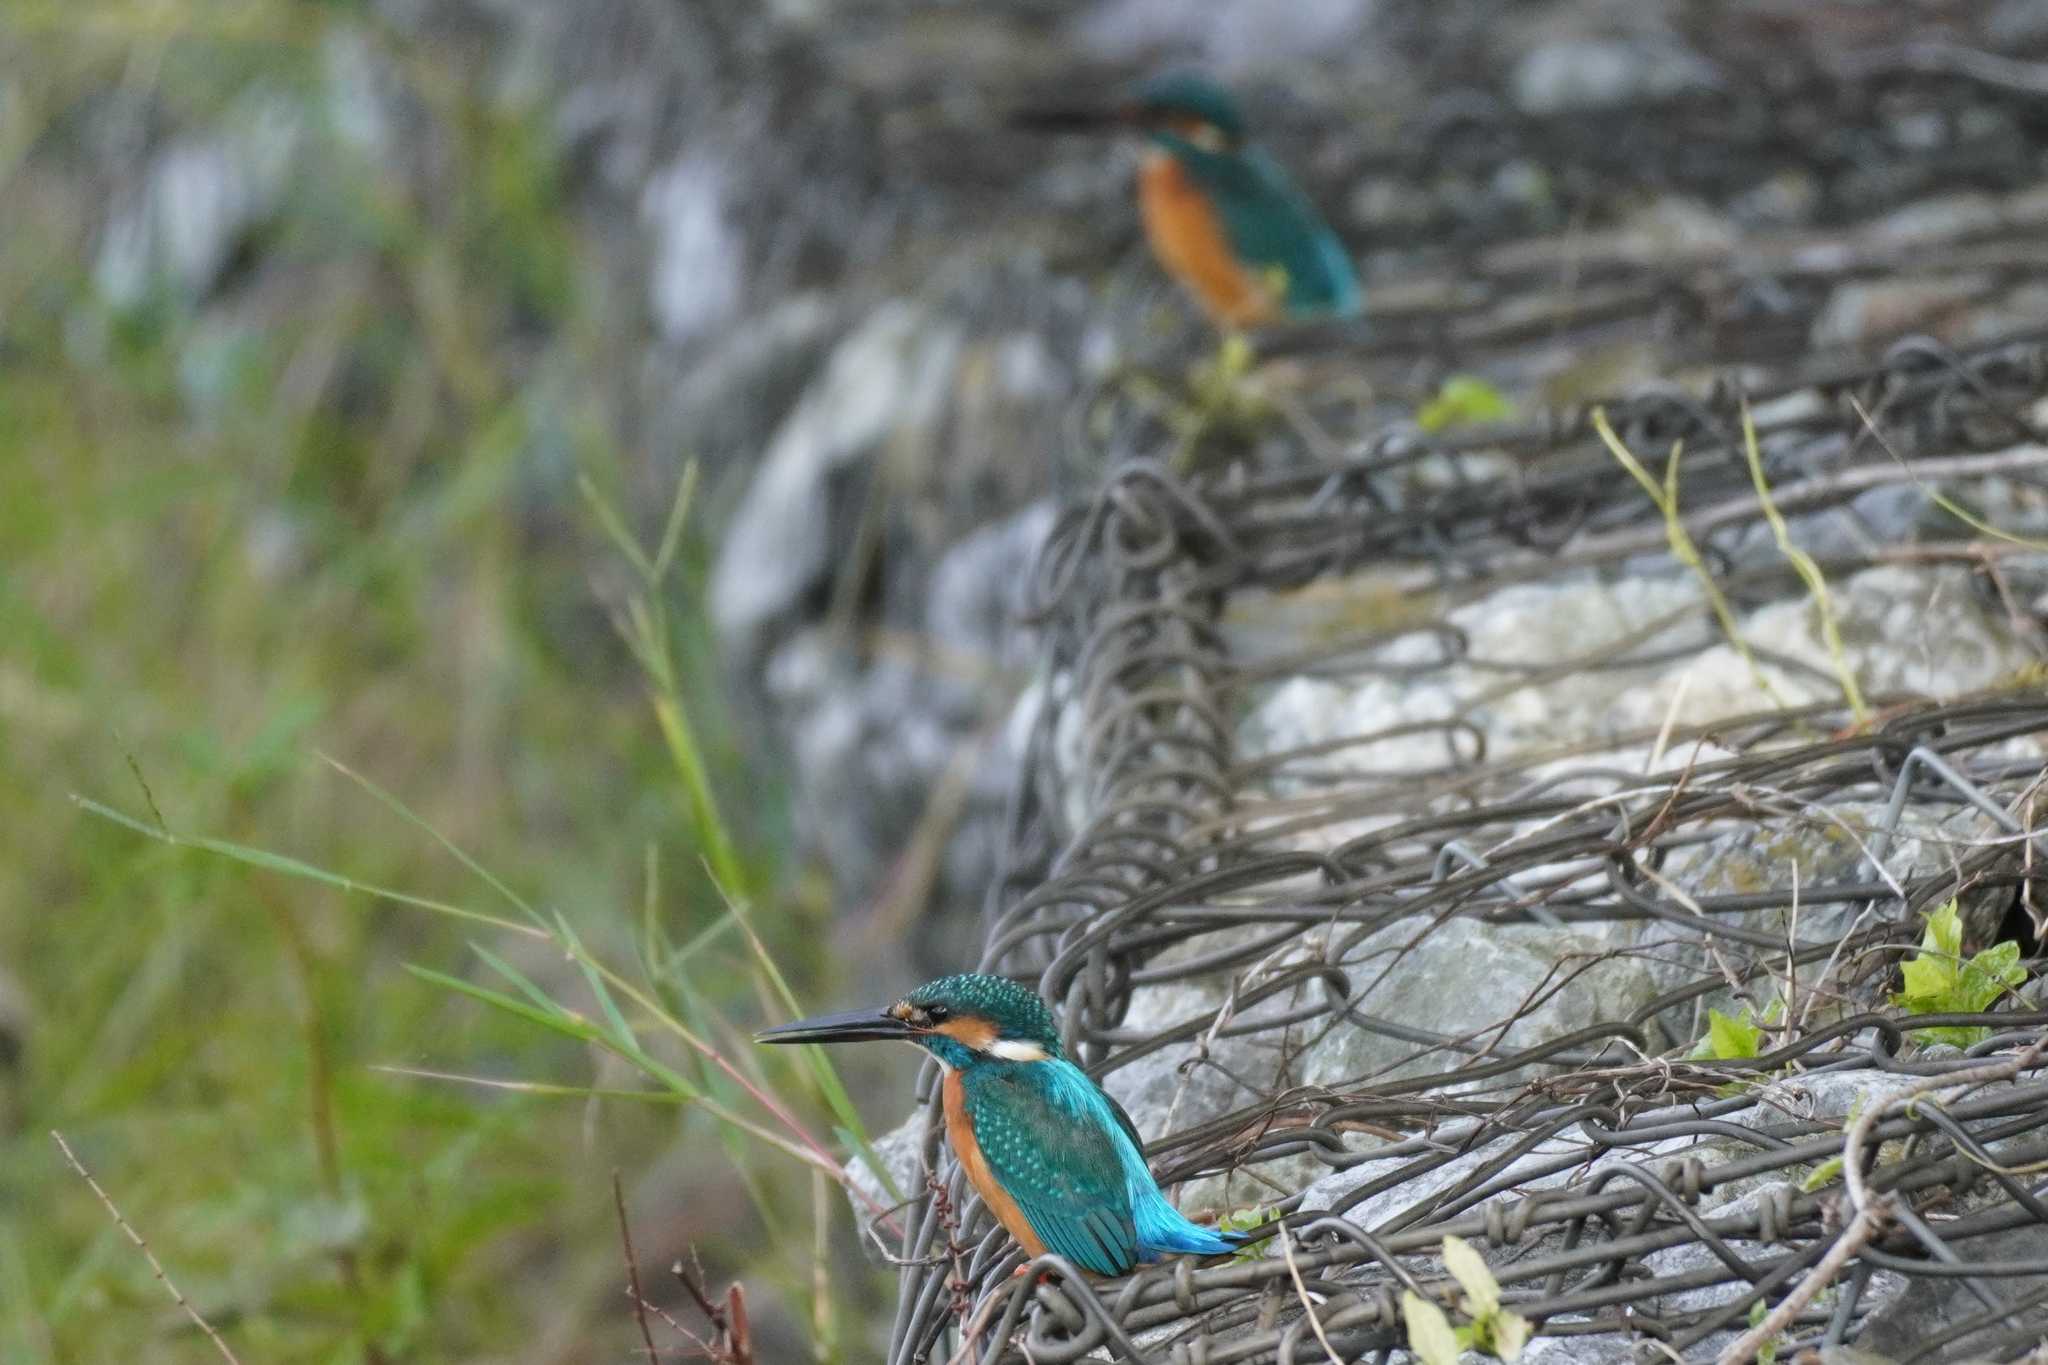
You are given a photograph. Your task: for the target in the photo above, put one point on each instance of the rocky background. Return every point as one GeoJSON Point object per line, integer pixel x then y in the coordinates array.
{"type": "Point", "coordinates": [313, 318]}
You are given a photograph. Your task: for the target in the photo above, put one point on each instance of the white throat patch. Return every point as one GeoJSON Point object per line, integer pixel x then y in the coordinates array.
{"type": "Point", "coordinates": [1014, 1050]}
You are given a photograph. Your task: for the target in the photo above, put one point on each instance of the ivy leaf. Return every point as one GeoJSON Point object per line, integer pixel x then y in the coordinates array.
{"type": "Point", "coordinates": [1938, 980]}
{"type": "Point", "coordinates": [1429, 1332]}
{"type": "Point", "coordinates": [1729, 1039]}
{"type": "Point", "coordinates": [1468, 1268]}
{"type": "Point", "coordinates": [1766, 1354]}
{"type": "Point", "coordinates": [1245, 1220]}
{"type": "Point", "coordinates": [1931, 977]}
{"type": "Point", "coordinates": [1510, 1335]}
{"type": "Point", "coordinates": [1994, 970]}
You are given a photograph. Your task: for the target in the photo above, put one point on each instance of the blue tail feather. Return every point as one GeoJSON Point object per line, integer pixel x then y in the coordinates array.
{"type": "Point", "coordinates": [1162, 1230]}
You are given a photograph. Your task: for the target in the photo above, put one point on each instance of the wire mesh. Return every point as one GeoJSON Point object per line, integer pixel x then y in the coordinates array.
{"type": "Point", "coordinates": [1219, 911]}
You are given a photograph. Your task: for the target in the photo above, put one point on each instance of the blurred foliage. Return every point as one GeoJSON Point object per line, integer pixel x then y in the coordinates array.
{"type": "Point", "coordinates": [330, 507]}
{"type": "Point", "coordinates": [1464, 401]}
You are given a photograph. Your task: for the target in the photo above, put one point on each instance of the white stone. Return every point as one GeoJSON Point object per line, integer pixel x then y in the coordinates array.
{"type": "Point", "coordinates": [887, 379]}
{"type": "Point", "coordinates": [699, 254]}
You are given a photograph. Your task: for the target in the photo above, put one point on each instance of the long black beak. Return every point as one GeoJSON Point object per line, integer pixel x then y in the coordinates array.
{"type": "Point", "coordinates": [852, 1027]}
{"type": "Point", "coordinates": [1076, 119]}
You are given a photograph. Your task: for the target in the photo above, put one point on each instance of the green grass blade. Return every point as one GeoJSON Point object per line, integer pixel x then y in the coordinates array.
{"type": "Point", "coordinates": [678, 513]}
{"type": "Point", "coordinates": [518, 978]}
{"type": "Point", "coordinates": [710, 827]}
{"type": "Point", "coordinates": [419, 822]}
{"type": "Point", "coordinates": [614, 526]}
{"type": "Point", "coordinates": [621, 1030]}
{"type": "Point", "coordinates": [823, 1072]}
{"type": "Point", "coordinates": [1665, 498]}
{"type": "Point", "coordinates": [294, 867]}
{"type": "Point", "coordinates": [542, 1089]}
{"type": "Point", "coordinates": [560, 1021]}
{"type": "Point", "coordinates": [1808, 571]}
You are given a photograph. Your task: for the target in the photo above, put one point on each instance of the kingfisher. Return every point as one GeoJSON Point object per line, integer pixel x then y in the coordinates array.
{"type": "Point", "coordinates": [1055, 1159]}
{"type": "Point", "coordinates": [1222, 217]}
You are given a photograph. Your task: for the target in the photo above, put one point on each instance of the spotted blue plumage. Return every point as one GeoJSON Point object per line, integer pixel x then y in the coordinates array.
{"type": "Point", "coordinates": [1069, 1155]}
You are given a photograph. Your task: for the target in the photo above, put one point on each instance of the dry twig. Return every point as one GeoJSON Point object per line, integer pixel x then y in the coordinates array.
{"type": "Point", "coordinates": [632, 1268]}
{"type": "Point", "coordinates": [156, 1267]}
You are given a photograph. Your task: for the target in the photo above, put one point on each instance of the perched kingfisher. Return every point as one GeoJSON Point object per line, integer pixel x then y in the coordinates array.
{"type": "Point", "coordinates": [1221, 215]}
{"type": "Point", "coordinates": [1055, 1159]}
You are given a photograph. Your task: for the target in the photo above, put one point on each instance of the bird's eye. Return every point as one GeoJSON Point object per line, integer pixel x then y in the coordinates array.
{"type": "Point", "coordinates": [935, 1014]}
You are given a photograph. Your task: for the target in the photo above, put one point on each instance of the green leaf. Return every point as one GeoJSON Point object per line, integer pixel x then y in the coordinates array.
{"type": "Point", "coordinates": [1945, 931]}
{"type": "Point", "coordinates": [1468, 1268]}
{"type": "Point", "coordinates": [1939, 981]}
{"type": "Point", "coordinates": [2000, 965]}
{"type": "Point", "coordinates": [622, 1032]}
{"type": "Point", "coordinates": [539, 997]}
{"type": "Point", "coordinates": [1510, 1335]}
{"type": "Point", "coordinates": [1245, 1220]}
{"type": "Point", "coordinates": [1766, 1354]}
{"type": "Point", "coordinates": [1429, 1332]}
{"type": "Point", "coordinates": [1463, 401]}
{"type": "Point", "coordinates": [1729, 1039]}
{"type": "Point", "coordinates": [1824, 1173]}
{"type": "Point", "coordinates": [557, 1020]}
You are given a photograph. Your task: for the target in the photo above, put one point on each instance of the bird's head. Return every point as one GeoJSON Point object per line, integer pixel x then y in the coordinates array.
{"type": "Point", "coordinates": [1179, 109]}
{"type": "Point", "coordinates": [962, 1020]}
{"type": "Point", "coordinates": [1188, 107]}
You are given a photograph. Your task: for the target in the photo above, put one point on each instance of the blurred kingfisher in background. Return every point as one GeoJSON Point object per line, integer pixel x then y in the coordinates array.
{"type": "Point", "coordinates": [1055, 1159]}
{"type": "Point", "coordinates": [1221, 215]}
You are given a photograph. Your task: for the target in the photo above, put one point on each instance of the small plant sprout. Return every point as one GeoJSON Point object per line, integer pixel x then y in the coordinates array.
{"type": "Point", "coordinates": [1823, 1175]}
{"type": "Point", "coordinates": [1766, 1354]}
{"type": "Point", "coordinates": [1493, 1329]}
{"type": "Point", "coordinates": [1244, 1220]}
{"type": "Point", "coordinates": [1730, 1038]}
{"type": "Point", "coordinates": [1939, 980]}
{"type": "Point", "coordinates": [1430, 1337]}
{"type": "Point", "coordinates": [1463, 401]}
{"type": "Point", "coordinates": [1735, 1038]}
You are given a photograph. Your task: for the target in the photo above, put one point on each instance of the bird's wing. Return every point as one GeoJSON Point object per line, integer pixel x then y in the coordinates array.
{"type": "Point", "coordinates": [1123, 1121]}
{"type": "Point", "coordinates": [1046, 1143]}
{"type": "Point", "coordinates": [1272, 224]}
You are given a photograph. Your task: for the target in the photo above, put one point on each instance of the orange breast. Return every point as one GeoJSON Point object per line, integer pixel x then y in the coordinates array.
{"type": "Point", "coordinates": [1189, 240]}
{"type": "Point", "coordinates": [960, 1133]}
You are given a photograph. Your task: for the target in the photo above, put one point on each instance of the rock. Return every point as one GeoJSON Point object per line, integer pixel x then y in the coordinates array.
{"type": "Point", "coordinates": [1675, 226]}
{"type": "Point", "coordinates": [699, 255]}
{"type": "Point", "coordinates": [1903, 630]}
{"type": "Point", "coordinates": [1932, 222]}
{"type": "Point", "coordinates": [1862, 312]}
{"type": "Point", "coordinates": [362, 92]}
{"type": "Point", "coordinates": [1790, 198]}
{"type": "Point", "coordinates": [978, 592]}
{"type": "Point", "coordinates": [1230, 37]}
{"type": "Point", "coordinates": [1575, 75]}
{"type": "Point", "coordinates": [1588, 1350]}
{"type": "Point", "coordinates": [728, 400]}
{"type": "Point", "coordinates": [1909, 1321]}
{"type": "Point", "coordinates": [1534, 623]}
{"type": "Point", "coordinates": [2017, 24]}
{"type": "Point", "coordinates": [901, 1151]}
{"type": "Point", "coordinates": [1828, 1096]}
{"type": "Point", "coordinates": [897, 756]}
{"type": "Point", "coordinates": [1919, 631]}
{"type": "Point", "coordinates": [885, 382]}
